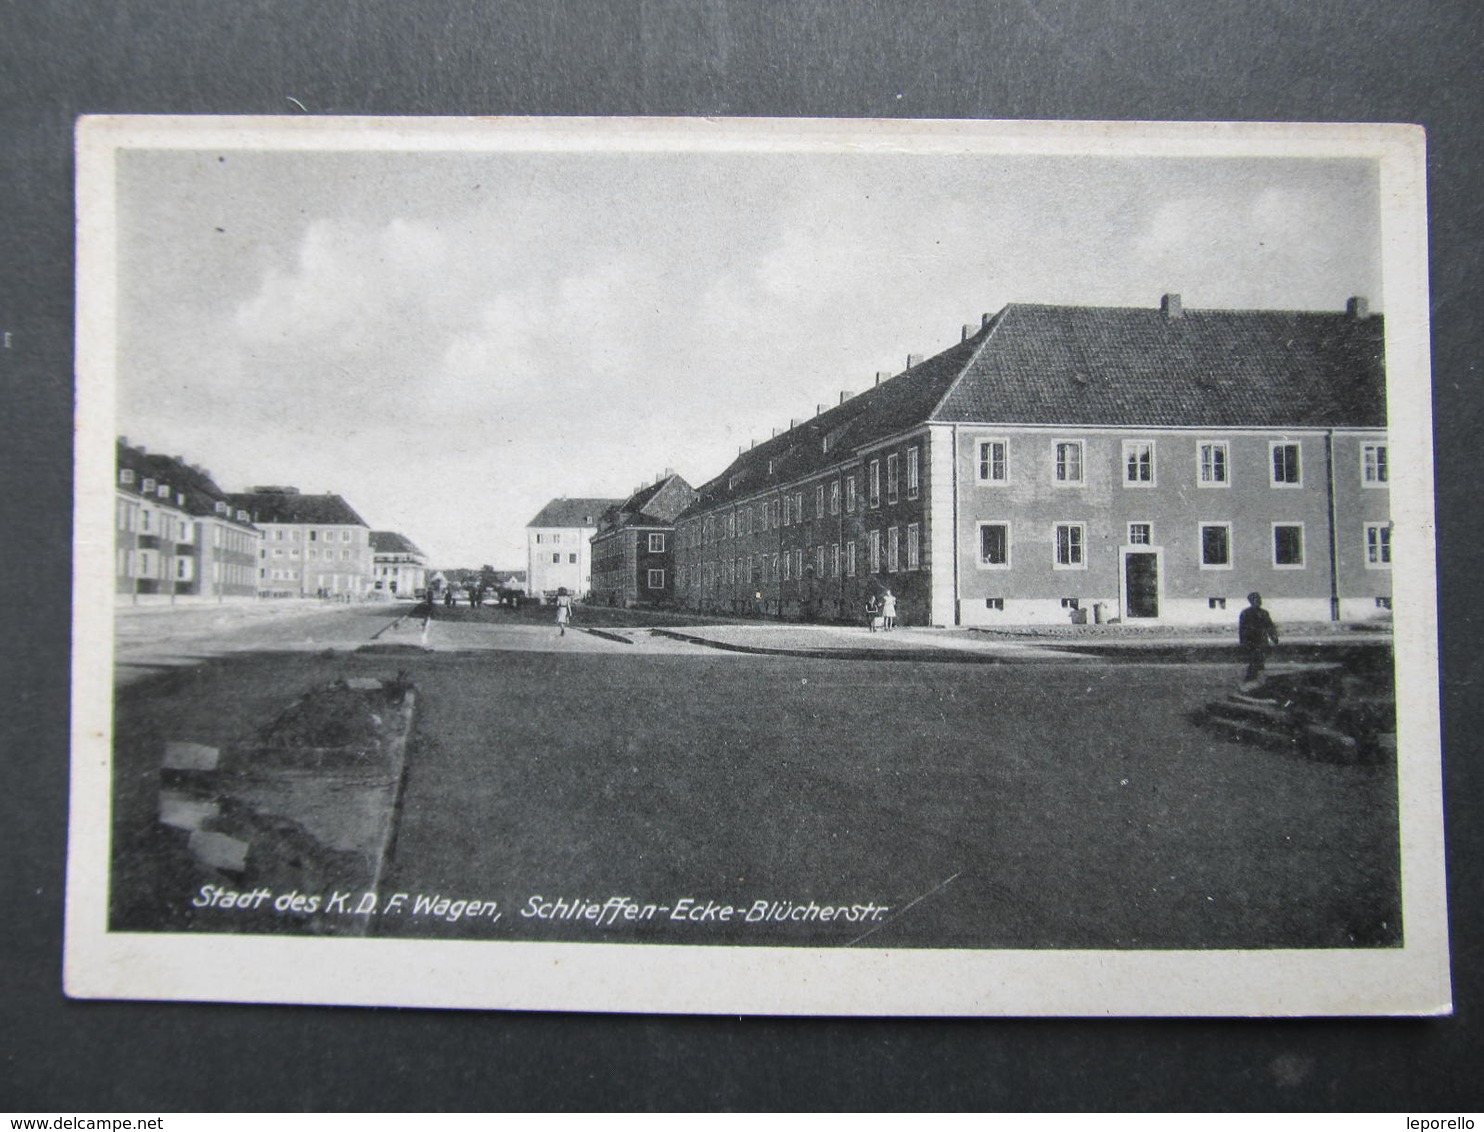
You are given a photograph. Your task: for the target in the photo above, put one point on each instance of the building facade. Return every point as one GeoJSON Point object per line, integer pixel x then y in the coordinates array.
{"type": "Point", "coordinates": [313, 545]}
{"type": "Point", "coordinates": [177, 534]}
{"type": "Point", "coordinates": [558, 547]}
{"type": "Point", "coordinates": [1063, 464]}
{"type": "Point", "coordinates": [633, 551]}
{"type": "Point", "coordinates": [398, 567]}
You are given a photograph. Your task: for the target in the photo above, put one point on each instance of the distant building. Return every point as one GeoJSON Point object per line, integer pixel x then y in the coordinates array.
{"type": "Point", "coordinates": [1062, 464]}
{"type": "Point", "coordinates": [558, 553]}
{"type": "Point", "coordinates": [398, 567]}
{"type": "Point", "coordinates": [313, 545]}
{"type": "Point", "coordinates": [634, 547]}
{"type": "Point", "coordinates": [177, 533]}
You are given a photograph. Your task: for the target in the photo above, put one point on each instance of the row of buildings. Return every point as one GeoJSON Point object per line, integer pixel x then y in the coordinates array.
{"type": "Point", "coordinates": [178, 534]}
{"type": "Point", "coordinates": [1058, 463]}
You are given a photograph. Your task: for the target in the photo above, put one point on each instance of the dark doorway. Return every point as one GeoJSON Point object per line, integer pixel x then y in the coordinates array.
{"type": "Point", "coordinates": [1141, 584]}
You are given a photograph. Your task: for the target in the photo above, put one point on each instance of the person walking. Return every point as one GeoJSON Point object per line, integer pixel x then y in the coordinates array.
{"type": "Point", "coordinates": [1256, 633]}
{"type": "Point", "coordinates": [564, 610]}
{"type": "Point", "coordinates": [888, 611]}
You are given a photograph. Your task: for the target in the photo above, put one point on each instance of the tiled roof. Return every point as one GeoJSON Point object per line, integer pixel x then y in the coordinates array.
{"type": "Point", "coordinates": [390, 542]}
{"type": "Point", "coordinates": [564, 513]}
{"type": "Point", "coordinates": [1111, 366]}
{"type": "Point", "coordinates": [192, 489]}
{"type": "Point", "coordinates": [291, 507]}
{"type": "Point", "coordinates": [1139, 367]}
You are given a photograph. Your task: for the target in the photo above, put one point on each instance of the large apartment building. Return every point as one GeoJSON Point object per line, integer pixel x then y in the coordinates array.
{"type": "Point", "coordinates": [1065, 463]}
{"type": "Point", "coordinates": [634, 547]}
{"type": "Point", "coordinates": [558, 550]}
{"type": "Point", "coordinates": [313, 545]}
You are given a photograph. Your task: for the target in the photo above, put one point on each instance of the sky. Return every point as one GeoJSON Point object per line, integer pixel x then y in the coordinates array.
{"type": "Point", "coordinates": [450, 340]}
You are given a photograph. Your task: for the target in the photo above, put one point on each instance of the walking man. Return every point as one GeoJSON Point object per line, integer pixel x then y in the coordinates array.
{"type": "Point", "coordinates": [1256, 633]}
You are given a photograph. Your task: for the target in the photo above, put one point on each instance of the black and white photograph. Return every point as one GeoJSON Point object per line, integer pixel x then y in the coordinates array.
{"type": "Point", "coordinates": [755, 566]}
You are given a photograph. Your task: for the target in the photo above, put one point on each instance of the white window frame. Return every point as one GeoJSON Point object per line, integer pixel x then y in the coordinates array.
{"type": "Point", "coordinates": [1303, 561]}
{"type": "Point", "coordinates": [873, 552]}
{"type": "Point", "coordinates": [984, 469]}
{"type": "Point", "coordinates": [893, 476]}
{"type": "Point", "coordinates": [834, 560]}
{"type": "Point", "coordinates": [1200, 542]}
{"type": "Point", "coordinates": [834, 497]}
{"type": "Point", "coordinates": [1375, 464]}
{"type": "Point", "coordinates": [850, 559]}
{"type": "Point", "coordinates": [1273, 480]}
{"type": "Point", "coordinates": [656, 542]}
{"type": "Point", "coordinates": [914, 546]}
{"type": "Point", "coordinates": [1224, 448]}
{"type": "Point", "coordinates": [850, 494]}
{"type": "Point", "coordinates": [1057, 463]}
{"type": "Point", "coordinates": [819, 500]}
{"type": "Point", "coordinates": [914, 471]}
{"type": "Point", "coordinates": [1378, 553]}
{"type": "Point", "coordinates": [873, 485]}
{"type": "Point", "coordinates": [1081, 529]}
{"type": "Point", "coordinates": [788, 562]}
{"type": "Point", "coordinates": [893, 549]}
{"type": "Point", "coordinates": [1131, 450]}
{"type": "Point", "coordinates": [979, 559]}
{"type": "Point", "coordinates": [1148, 529]}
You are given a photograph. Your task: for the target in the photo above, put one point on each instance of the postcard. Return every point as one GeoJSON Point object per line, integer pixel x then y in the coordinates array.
{"type": "Point", "coordinates": [756, 567]}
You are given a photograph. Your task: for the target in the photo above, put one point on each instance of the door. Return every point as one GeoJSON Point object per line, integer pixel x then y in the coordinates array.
{"type": "Point", "coordinates": [1141, 584]}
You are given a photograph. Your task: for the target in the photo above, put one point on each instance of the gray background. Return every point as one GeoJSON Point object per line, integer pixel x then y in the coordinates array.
{"type": "Point", "coordinates": [1227, 60]}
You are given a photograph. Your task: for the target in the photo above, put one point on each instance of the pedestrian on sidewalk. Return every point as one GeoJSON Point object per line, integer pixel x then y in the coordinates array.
{"type": "Point", "coordinates": [564, 610]}
{"type": "Point", "coordinates": [873, 611]}
{"type": "Point", "coordinates": [1256, 633]}
{"type": "Point", "coordinates": [888, 611]}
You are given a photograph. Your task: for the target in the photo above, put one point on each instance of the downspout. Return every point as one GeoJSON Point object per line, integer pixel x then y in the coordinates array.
{"type": "Point", "coordinates": [953, 453]}
{"type": "Point", "coordinates": [1334, 547]}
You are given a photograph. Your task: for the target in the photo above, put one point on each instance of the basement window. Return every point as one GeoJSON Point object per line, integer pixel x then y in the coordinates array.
{"type": "Point", "coordinates": [994, 603]}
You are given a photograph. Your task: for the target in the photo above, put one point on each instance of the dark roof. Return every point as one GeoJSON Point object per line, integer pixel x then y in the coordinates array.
{"type": "Point", "coordinates": [572, 512]}
{"type": "Point", "coordinates": [192, 489]}
{"type": "Point", "coordinates": [390, 542]}
{"type": "Point", "coordinates": [291, 507]}
{"type": "Point", "coordinates": [1139, 367]}
{"type": "Point", "coordinates": [1110, 366]}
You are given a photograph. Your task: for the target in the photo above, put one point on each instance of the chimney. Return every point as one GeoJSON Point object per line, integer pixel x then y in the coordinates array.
{"type": "Point", "coordinates": [984, 319]}
{"type": "Point", "coordinates": [794, 422]}
{"type": "Point", "coordinates": [846, 395]}
{"type": "Point", "coordinates": [964, 336]}
{"type": "Point", "coordinates": [819, 409]}
{"type": "Point", "coordinates": [914, 360]}
{"type": "Point", "coordinates": [879, 375]}
{"type": "Point", "coordinates": [1170, 305]}
{"type": "Point", "coordinates": [669, 472]}
{"type": "Point", "coordinates": [1357, 307]}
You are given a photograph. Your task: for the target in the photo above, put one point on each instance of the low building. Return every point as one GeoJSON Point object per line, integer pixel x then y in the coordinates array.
{"type": "Point", "coordinates": [177, 533]}
{"type": "Point", "coordinates": [313, 545]}
{"type": "Point", "coordinates": [398, 567]}
{"type": "Point", "coordinates": [558, 551]}
{"type": "Point", "coordinates": [634, 548]}
{"type": "Point", "coordinates": [1066, 463]}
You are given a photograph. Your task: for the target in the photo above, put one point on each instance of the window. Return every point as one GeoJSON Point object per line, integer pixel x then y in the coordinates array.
{"type": "Point", "coordinates": [1070, 545]}
{"type": "Point", "coordinates": [1286, 469]}
{"type": "Point", "coordinates": [1216, 603]}
{"type": "Point", "coordinates": [819, 561]}
{"type": "Point", "coordinates": [656, 544]}
{"type": "Point", "coordinates": [893, 550]}
{"type": "Point", "coordinates": [148, 487]}
{"type": "Point", "coordinates": [835, 560]}
{"type": "Point", "coordinates": [1288, 545]}
{"type": "Point", "coordinates": [1373, 468]}
{"type": "Point", "coordinates": [1383, 603]}
{"type": "Point", "coordinates": [314, 535]}
{"type": "Point", "coordinates": [1378, 546]}
{"type": "Point", "coordinates": [1069, 462]}
{"type": "Point", "coordinates": [994, 603]}
{"type": "Point", "coordinates": [873, 494]}
{"type": "Point", "coordinates": [835, 498]}
{"type": "Point", "coordinates": [556, 558]}
{"type": "Point", "coordinates": [1213, 464]}
{"type": "Point", "coordinates": [819, 500]}
{"type": "Point", "coordinates": [799, 565]}
{"type": "Point", "coordinates": [731, 524]}
{"type": "Point", "coordinates": [994, 461]}
{"type": "Point", "coordinates": [556, 537]}
{"type": "Point", "coordinates": [1071, 603]}
{"type": "Point", "coordinates": [914, 546]}
{"type": "Point", "coordinates": [1140, 534]}
{"type": "Point", "coordinates": [913, 472]}
{"type": "Point", "coordinates": [994, 546]}
{"type": "Point", "coordinates": [891, 478]}
{"type": "Point", "coordinates": [1138, 463]}
{"type": "Point", "coordinates": [798, 507]}
{"type": "Point", "coordinates": [1216, 546]}
{"type": "Point", "coordinates": [787, 511]}
{"type": "Point", "coordinates": [788, 560]}
{"type": "Point", "coordinates": [850, 559]}
{"type": "Point", "coordinates": [873, 551]}
{"type": "Point", "coordinates": [572, 558]}
{"type": "Point", "coordinates": [540, 539]}
{"type": "Point", "coordinates": [849, 494]}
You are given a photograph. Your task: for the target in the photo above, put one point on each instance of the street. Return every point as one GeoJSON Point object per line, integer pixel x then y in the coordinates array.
{"type": "Point", "coordinates": [1030, 803]}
